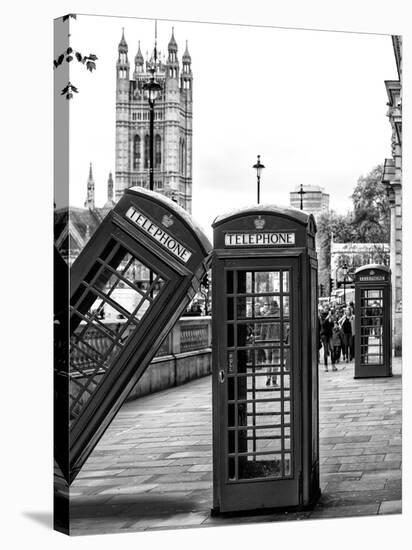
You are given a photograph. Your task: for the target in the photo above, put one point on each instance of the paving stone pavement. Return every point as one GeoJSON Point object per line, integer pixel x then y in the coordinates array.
{"type": "Point", "coordinates": [153, 467]}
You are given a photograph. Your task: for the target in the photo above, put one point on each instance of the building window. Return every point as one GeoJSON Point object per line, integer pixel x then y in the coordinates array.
{"type": "Point", "coordinates": [146, 151]}
{"type": "Point", "coordinates": [136, 152]}
{"type": "Point", "coordinates": [159, 185]}
{"type": "Point", "coordinates": [182, 156]}
{"type": "Point", "coordinates": [139, 116]}
{"type": "Point", "coordinates": [158, 151]}
{"type": "Point", "coordinates": [134, 116]}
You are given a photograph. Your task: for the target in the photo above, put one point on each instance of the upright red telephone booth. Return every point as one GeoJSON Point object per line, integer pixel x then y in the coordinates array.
{"type": "Point", "coordinates": [265, 378]}
{"type": "Point", "coordinates": [373, 342]}
{"type": "Point", "coordinates": [128, 287]}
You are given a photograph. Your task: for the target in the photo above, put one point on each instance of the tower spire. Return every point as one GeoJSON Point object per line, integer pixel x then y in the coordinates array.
{"type": "Point", "coordinates": [89, 203]}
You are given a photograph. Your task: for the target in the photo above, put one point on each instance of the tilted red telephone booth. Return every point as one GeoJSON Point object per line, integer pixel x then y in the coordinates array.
{"type": "Point", "coordinates": [128, 287]}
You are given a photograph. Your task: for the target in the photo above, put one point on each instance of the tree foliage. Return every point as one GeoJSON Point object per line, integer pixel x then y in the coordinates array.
{"type": "Point", "coordinates": [369, 222]}
{"type": "Point", "coordinates": [89, 61]}
{"type": "Point", "coordinates": [371, 208]}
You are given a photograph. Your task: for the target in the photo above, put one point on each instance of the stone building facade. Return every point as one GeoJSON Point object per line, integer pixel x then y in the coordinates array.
{"type": "Point", "coordinates": [355, 255]}
{"type": "Point", "coordinates": [392, 178]}
{"type": "Point", "coordinates": [74, 226]}
{"type": "Point", "coordinates": [172, 123]}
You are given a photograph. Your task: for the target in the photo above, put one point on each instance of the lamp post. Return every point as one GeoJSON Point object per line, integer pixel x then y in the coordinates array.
{"type": "Point", "coordinates": [151, 90]}
{"type": "Point", "coordinates": [301, 193]}
{"type": "Point", "coordinates": [345, 274]}
{"type": "Point", "coordinates": [258, 167]}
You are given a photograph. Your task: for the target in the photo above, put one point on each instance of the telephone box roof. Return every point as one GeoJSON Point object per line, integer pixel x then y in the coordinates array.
{"type": "Point", "coordinates": [177, 210]}
{"type": "Point", "coordinates": [382, 267]}
{"type": "Point", "coordinates": [271, 209]}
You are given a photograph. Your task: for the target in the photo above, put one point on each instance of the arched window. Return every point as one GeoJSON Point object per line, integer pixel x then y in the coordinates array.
{"type": "Point", "coordinates": [146, 151]}
{"type": "Point", "coordinates": [136, 153]}
{"type": "Point", "coordinates": [158, 151]}
{"type": "Point", "coordinates": [182, 156]}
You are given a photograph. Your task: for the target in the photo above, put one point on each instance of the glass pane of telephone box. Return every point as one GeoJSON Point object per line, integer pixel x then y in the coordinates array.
{"type": "Point", "coordinates": [259, 377]}
{"type": "Point", "coordinates": [371, 327]}
{"type": "Point", "coordinates": [113, 299]}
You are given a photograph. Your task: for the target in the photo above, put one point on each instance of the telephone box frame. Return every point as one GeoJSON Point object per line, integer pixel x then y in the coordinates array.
{"type": "Point", "coordinates": [373, 280]}
{"type": "Point", "coordinates": [180, 276]}
{"type": "Point", "coordinates": [300, 257]}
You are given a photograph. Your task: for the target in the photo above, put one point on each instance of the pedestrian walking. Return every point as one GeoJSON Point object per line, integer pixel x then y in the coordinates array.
{"type": "Point", "coordinates": [337, 341]}
{"type": "Point", "coordinates": [326, 329]}
{"type": "Point", "coordinates": [270, 333]}
{"type": "Point", "coordinates": [345, 325]}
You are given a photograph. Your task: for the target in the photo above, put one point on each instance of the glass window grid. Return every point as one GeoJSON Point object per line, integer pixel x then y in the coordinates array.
{"type": "Point", "coordinates": [285, 453]}
{"type": "Point", "coordinates": [91, 320]}
{"type": "Point", "coordinates": [370, 321]}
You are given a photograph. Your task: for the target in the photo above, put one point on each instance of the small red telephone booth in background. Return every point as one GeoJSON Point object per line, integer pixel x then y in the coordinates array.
{"type": "Point", "coordinates": [373, 335]}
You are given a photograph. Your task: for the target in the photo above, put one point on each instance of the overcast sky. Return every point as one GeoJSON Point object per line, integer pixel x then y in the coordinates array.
{"type": "Point", "coordinates": [311, 103]}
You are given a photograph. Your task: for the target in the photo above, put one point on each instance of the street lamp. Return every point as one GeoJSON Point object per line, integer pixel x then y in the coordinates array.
{"type": "Point", "coordinates": [301, 193]}
{"type": "Point", "coordinates": [258, 167]}
{"type": "Point", "coordinates": [345, 274]}
{"type": "Point", "coordinates": [151, 91]}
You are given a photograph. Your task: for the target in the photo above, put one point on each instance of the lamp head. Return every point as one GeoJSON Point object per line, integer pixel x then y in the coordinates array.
{"type": "Point", "coordinates": [258, 167]}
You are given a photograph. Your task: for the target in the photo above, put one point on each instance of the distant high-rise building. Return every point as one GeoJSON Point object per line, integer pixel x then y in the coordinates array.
{"type": "Point", "coordinates": [315, 200]}
{"type": "Point", "coordinates": [172, 123]}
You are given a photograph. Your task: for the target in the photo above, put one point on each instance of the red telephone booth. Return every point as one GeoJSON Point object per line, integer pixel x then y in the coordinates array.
{"type": "Point", "coordinates": [265, 372]}
{"type": "Point", "coordinates": [128, 287]}
{"type": "Point", "coordinates": [373, 343]}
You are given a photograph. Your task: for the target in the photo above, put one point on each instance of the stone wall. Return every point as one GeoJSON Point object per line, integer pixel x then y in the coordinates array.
{"type": "Point", "coordinates": [185, 355]}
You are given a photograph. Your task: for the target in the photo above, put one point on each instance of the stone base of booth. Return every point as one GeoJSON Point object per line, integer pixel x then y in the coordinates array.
{"type": "Point", "coordinates": [216, 513]}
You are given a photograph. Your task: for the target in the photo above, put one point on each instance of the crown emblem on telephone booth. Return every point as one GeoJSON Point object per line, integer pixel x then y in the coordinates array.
{"type": "Point", "coordinates": [259, 222]}
{"type": "Point", "coordinates": [167, 220]}
{"type": "Point", "coordinates": [372, 272]}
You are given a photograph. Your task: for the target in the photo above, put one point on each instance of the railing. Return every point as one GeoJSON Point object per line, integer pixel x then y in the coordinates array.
{"type": "Point", "coordinates": [185, 354]}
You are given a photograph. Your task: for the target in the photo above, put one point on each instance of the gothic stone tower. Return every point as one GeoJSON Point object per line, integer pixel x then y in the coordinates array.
{"type": "Point", "coordinates": [172, 125]}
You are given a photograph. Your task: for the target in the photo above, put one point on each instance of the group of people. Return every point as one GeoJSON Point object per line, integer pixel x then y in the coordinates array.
{"type": "Point", "coordinates": [337, 334]}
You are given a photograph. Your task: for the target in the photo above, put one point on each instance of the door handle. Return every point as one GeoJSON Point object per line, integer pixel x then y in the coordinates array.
{"type": "Point", "coordinates": [222, 376]}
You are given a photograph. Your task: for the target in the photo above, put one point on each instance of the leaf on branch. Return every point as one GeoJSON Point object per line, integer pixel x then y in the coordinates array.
{"type": "Point", "coordinates": [68, 90]}
{"type": "Point", "coordinates": [78, 56]}
{"type": "Point", "coordinates": [60, 59]}
{"type": "Point", "coordinates": [90, 65]}
{"type": "Point", "coordinates": [92, 57]}
{"type": "Point", "coordinates": [72, 15]}
{"type": "Point", "coordinates": [69, 58]}
{"type": "Point", "coordinates": [55, 64]}
{"type": "Point", "coordinates": [69, 50]}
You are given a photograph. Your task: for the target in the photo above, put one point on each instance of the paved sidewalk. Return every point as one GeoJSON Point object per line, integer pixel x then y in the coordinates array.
{"type": "Point", "coordinates": [153, 467]}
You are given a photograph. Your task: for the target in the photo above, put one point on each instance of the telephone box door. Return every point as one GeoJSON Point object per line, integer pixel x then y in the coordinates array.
{"type": "Point", "coordinates": [257, 384]}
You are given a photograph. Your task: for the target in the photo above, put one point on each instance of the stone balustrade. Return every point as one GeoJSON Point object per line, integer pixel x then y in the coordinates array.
{"type": "Point", "coordinates": [184, 355]}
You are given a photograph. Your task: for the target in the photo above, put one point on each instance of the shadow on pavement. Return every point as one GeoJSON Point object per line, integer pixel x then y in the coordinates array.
{"type": "Point", "coordinates": [42, 518]}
